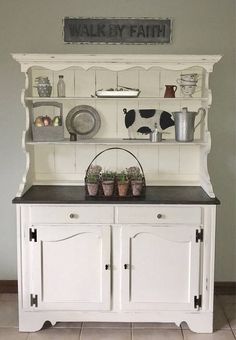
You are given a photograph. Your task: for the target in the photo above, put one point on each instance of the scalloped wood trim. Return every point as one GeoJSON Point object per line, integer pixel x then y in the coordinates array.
{"type": "Point", "coordinates": [115, 61]}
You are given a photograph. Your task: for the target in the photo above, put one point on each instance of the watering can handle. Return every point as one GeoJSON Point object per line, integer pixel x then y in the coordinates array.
{"type": "Point", "coordinates": [203, 111]}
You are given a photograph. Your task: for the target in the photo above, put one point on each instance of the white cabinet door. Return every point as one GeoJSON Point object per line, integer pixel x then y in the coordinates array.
{"type": "Point", "coordinates": [69, 267]}
{"type": "Point", "coordinates": [160, 267]}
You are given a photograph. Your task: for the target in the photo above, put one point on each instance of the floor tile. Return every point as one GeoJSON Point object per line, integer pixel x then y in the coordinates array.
{"type": "Point", "coordinates": [55, 334]}
{"type": "Point", "coordinates": [68, 325]}
{"type": "Point", "coordinates": [156, 334]}
{"type": "Point", "coordinates": [107, 325]}
{"type": "Point", "coordinates": [218, 335]}
{"type": "Point", "coordinates": [8, 297]}
{"type": "Point", "coordinates": [164, 325]}
{"type": "Point", "coordinates": [230, 312]}
{"type": "Point", "coordinates": [227, 298]}
{"type": "Point", "coordinates": [8, 314]}
{"type": "Point", "coordinates": [105, 334]}
{"type": "Point", "coordinates": [12, 334]}
{"type": "Point", "coordinates": [219, 319]}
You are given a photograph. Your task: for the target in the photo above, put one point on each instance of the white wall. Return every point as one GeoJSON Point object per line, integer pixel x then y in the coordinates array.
{"type": "Point", "coordinates": [199, 27]}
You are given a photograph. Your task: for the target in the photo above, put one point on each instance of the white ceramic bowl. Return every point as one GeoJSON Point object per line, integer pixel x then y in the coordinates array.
{"type": "Point", "coordinates": [189, 77]}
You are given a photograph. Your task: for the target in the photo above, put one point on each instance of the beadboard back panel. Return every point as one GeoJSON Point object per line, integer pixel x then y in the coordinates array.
{"type": "Point", "coordinates": [161, 163]}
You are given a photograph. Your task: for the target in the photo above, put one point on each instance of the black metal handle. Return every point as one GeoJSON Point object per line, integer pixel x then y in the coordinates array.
{"type": "Point", "coordinates": [126, 266]}
{"type": "Point", "coordinates": [116, 148]}
{"type": "Point", "coordinates": [159, 216]}
{"type": "Point", "coordinates": [107, 266]}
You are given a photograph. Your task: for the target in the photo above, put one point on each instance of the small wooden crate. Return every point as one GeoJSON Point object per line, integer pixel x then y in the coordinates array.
{"type": "Point", "coordinates": [47, 133]}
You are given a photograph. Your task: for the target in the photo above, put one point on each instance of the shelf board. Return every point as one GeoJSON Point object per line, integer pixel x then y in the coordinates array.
{"type": "Point", "coordinates": [117, 141]}
{"type": "Point", "coordinates": [115, 98]}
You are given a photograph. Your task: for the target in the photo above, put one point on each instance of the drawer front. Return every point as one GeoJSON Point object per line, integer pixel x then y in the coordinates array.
{"type": "Point", "coordinates": [158, 214]}
{"type": "Point", "coordinates": [71, 214]}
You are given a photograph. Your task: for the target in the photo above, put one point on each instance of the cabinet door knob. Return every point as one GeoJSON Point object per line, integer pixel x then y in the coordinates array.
{"type": "Point", "coordinates": [126, 266]}
{"type": "Point", "coordinates": [73, 215]}
{"type": "Point", "coordinates": [159, 216]}
{"type": "Point", "coordinates": [107, 266]}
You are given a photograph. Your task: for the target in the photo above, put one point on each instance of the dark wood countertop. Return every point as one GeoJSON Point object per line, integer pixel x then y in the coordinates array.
{"type": "Point", "coordinates": [61, 194]}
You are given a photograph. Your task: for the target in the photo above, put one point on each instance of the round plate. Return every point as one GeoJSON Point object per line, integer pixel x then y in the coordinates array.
{"type": "Point", "coordinates": [84, 121]}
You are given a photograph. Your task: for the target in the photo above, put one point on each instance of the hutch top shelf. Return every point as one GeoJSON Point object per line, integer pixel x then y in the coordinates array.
{"type": "Point", "coordinates": [115, 62]}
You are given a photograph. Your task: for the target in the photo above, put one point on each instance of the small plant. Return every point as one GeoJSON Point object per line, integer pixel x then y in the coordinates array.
{"type": "Point", "coordinates": [92, 178]}
{"type": "Point", "coordinates": [122, 183]}
{"type": "Point", "coordinates": [136, 179]}
{"type": "Point", "coordinates": [108, 175]}
{"type": "Point", "coordinates": [108, 180]}
{"type": "Point", "coordinates": [134, 173]}
{"type": "Point", "coordinates": [122, 177]}
{"type": "Point", "coordinates": [93, 173]}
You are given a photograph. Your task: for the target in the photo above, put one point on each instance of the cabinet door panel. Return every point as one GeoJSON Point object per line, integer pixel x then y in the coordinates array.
{"type": "Point", "coordinates": [68, 267]}
{"type": "Point", "coordinates": [163, 267]}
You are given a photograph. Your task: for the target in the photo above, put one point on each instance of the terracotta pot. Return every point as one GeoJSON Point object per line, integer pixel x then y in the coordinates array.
{"type": "Point", "coordinates": [92, 189]}
{"type": "Point", "coordinates": [123, 188]}
{"type": "Point", "coordinates": [108, 187]}
{"type": "Point", "coordinates": [137, 187]}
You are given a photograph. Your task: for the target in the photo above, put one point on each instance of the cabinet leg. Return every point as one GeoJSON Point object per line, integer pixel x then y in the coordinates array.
{"type": "Point", "coordinates": [32, 322]}
{"type": "Point", "coordinates": [200, 323]}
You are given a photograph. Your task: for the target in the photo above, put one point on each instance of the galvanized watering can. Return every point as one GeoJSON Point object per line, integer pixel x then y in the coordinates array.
{"type": "Point", "coordinates": [184, 124]}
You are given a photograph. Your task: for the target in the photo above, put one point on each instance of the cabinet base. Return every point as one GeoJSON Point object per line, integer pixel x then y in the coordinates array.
{"type": "Point", "coordinates": [199, 322]}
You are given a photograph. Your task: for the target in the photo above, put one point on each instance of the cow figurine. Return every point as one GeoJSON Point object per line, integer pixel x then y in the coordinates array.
{"type": "Point", "coordinates": [143, 121]}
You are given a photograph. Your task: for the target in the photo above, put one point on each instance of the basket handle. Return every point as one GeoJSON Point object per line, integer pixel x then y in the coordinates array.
{"type": "Point", "coordinates": [59, 105]}
{"type": "Point", "coordinates": [115, 148]}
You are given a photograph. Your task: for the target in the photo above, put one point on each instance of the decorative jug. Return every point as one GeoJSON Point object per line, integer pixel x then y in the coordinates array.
{"type": "Point", "coordinates": [170, 91]}
{"type": "Point", "coordinates": [43, 86]}
{"type": "Point", "coordinates": [184, 124]}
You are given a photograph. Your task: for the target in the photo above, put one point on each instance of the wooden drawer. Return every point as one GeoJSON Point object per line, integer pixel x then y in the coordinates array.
{"type": "Point", "coordinates": [158, 214]}
{"type": "Point", "coordinates": [71, 214]}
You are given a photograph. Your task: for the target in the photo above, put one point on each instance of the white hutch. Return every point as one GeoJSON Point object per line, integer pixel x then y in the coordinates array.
{"type": "Point", "coordinates": [149, 260]}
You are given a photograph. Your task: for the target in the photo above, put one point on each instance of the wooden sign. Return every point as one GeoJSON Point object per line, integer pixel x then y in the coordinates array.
{"type": "Point", "coordinates": [117, 31]}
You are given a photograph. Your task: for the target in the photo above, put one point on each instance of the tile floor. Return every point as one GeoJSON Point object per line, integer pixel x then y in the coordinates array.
{"type": "Point", "coordinates": [224, 325]}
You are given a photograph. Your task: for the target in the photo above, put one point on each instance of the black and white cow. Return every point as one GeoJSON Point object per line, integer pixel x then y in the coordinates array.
{"type": "Point", "coordinates": [143, 121]}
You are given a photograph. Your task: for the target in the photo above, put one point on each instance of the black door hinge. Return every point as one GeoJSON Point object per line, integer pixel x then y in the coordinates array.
{"type": "Point", "coordinates": [199, 235]}
{"type": "Point", "coordinates": [33, 300]}
{"type": "Point", "coordinates": [33, 234]}
{"type": "Point", "coordinates": [198, 301]}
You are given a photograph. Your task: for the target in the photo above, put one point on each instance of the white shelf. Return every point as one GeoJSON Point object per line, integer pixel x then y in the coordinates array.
{"type": "Point", "coordinates": [46, 99]}
{"type": "Point", "coordinates": [116, 141]}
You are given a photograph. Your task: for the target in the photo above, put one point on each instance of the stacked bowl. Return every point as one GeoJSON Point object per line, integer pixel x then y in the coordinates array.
{"type": "Point", "coordinates": [188, 83]}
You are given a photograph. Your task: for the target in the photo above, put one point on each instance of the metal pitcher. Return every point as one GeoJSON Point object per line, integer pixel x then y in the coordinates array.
{"type": "Point", "coordinates": [184, 124]}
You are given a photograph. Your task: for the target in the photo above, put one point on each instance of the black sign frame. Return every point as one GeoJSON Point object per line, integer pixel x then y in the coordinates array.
{"type": "Point", "coordinates": [117, 30]}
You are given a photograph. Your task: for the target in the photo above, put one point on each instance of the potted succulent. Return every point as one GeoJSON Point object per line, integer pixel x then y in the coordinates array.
{"type": "Point", "coordinates": [108, 179]}
{"type": "Point", "coordinates": [122, 183]}
{"type": "Point", "coordinates": [92, 179]}
{"type": "Point", "coordinates": [136, 180]}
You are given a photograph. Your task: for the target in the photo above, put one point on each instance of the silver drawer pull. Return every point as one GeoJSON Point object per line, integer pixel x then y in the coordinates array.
{"type": "Point", "coordinates": [73, 215]}
{"type": "Point", "coordinates": [159, 216]}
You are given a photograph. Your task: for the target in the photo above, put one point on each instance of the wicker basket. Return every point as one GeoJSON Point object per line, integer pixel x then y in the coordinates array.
{"type": "Point", "coordinates": [47, 133]}
{"type": "Point", "coordinates": [115, 195]}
